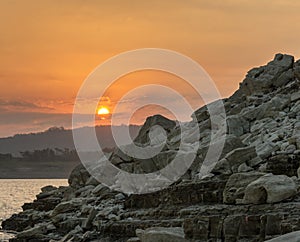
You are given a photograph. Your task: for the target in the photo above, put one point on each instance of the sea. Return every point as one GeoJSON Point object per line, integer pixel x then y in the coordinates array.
{"type": "Point", "coordinates": [15, 192]}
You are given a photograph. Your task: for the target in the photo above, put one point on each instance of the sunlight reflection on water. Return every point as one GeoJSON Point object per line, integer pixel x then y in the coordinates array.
{"type": "Point", "coordinates": [15, 192]}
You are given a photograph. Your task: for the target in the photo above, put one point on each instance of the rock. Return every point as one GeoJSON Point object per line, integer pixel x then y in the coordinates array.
{"type": "Point", "coordinates": [84, 191]}
{"type": "Point", "coordinates": [254, 162]}
{"type": "Point", "coordinates": [270, 109]}
{"type": "Point", "coordinates": [87, 223]}
{"type": "Point", "coordinates": [270, 189]}
{"type": "Point", "coordinates": [48, 189]}
{"type": "Point", "coordinates": [239, 156]}
{"type": "Point", "coordinates": [100, 189]}
{"type": "Point", "coordinates": [244, 168]}
{"type": "Point", "coordinates": [295, 96]}
{"type": "Point", "coordinates": [143, 135]}
{"type": "Point", "coordinates": [290, 237]}
{"type": "Point", "coordinates": [232, 142]}
{"type": "Point", "coordinates": [92, 181]}
{"type": "Point", "coordinates": [134, 239]}
{"type": "Point", "coordinates": [295, 109]}
{"type": "Point", "coordinates": [298, 172]}
{"type": "Point", "coordinates": [70, 236]}
{"type": "Point", "coordinates": [290, 149]}
{"type": "Point", "coordinates": [234, 159]}
{"type": "Point", "coordinates": [222, 167]}
{"type": "Point", "coordinates": [67, 206]}
{"type": "Point", "coordinates": [78, 177]}
{"type": "Point", "coordinates": [70, 223]}
{"type": "Point", "coordinates": [155, 163]}
{"type": "Point", "coordinates": [201, 114]}
{"type": "Point", "coordinates": [265, 150]}
{"type": "Point", "coordinates": [284, 78]}
{"type": "Point", "coordinates": [120, 196]}
{"type": "Point", "coordinates": [236, 185]}
{"type": "Point", "coordinates": [237, 125]}
{"type": "Point", "coordinates": [283, 164]}
{"type": "Point", "coordinates": [34, 232]}
{"type": "Point", "coordinates": [160, 234]}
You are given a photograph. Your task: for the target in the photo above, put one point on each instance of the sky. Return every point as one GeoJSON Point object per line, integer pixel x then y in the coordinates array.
{"type": "Point", "coordinates": [49, 47]}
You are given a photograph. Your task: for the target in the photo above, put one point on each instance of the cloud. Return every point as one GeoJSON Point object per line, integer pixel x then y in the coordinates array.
{"type": "Point", "coordinates": [11, 105]}
{"type": "Point", "coordinates": [24, 122]}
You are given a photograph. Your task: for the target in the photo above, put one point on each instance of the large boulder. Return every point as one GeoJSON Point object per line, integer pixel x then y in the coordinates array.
{"type": "Point", "coordinates": [156, 120]}
{"type": "Point", "coordinates": [270, 189]}
{"type": "Point", "coordinates": [235, 187]}
{"type": "Point", "coordinates": [78, 177]}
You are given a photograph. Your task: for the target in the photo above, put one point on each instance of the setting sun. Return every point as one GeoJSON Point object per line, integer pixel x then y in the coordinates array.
{"type": "Point", "coordinates": [103, 111]}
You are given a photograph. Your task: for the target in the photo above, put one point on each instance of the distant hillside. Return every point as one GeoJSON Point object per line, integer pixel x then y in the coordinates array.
{"type": "Point", "coordinates": [58, 138]}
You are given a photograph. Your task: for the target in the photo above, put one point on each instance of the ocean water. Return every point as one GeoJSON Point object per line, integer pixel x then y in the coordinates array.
{"type": "Point", "coordinates": [15, 192]}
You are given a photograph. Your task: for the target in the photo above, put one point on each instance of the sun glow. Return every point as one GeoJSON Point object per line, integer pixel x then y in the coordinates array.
{"type": "Point", "coordinates": [103, 111]}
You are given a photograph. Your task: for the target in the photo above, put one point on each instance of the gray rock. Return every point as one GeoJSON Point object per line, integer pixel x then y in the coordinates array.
{"type": "Point", "coordinates": [290, 237]}
{"type": "Point", "coordinates": [284, 78]}
{"type": "Point", "coordinates": [48, 188]}
{"type": "Point", "coordinates": [166, 124]}
{"type": "Point", "coordinates": [295, 96]}
{"type": "Point", "coordinates": [298, 172]}
{"type": "Point", "coordinates": [201, 114]}
{"type": "Point", "coordinates": [255, 161]}
{"type": "Point", "coordinates": [290, 149]}
{"type": "Point", "coordinates": [70, 236]}
{"type": "Point", "coordinates": [222, 167]}
{"type": "Point", "coordinates": [161, 234]}
{"type": "Point", "coordinates": [265, 150]}
{"type": "Point", "coordinates": [134, 239]}
{"type": "Point", "coordinates": [237, 125]}
{"type": "Point", "coordinates": [35, 232]}
{"type": "Point", "coordinates": [92, 181]}
{"type": "Point", "coordinates": [244, 168]}
{"type": "Point", "coordinates": [87, 223]}
{"type": "Point", "coordinates": [236, 185]}
{"type": "Point", "coordinates": [241, 155]}
{"type": "Point", "coordinates": [67, 206]}
{"type": "Point", "coordinates": [234, 159]}
{"type": "Point", "coordinates": [78, 176]}
{"type": "Point", "coordinates": [100, 189]}
{"type": "Point", "coordinates": [270, 189]}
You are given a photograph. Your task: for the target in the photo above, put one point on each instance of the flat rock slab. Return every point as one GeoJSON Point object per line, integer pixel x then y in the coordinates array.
{"type": "Point", "coordinates": [161, 234]}
{"type": "Point", "coordinates": [290, 237]}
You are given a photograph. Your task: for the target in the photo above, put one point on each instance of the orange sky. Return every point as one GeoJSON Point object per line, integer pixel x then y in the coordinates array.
{"type": "Point", "coordinates": [47, 48]}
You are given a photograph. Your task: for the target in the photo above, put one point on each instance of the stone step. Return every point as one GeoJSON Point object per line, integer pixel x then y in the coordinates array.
{"type": "Point", "coordinates": [203, 192]}
{"type": "Point", "coordinates": [127, 228]}
{"type": "Point", "coordinates": [218, 222]}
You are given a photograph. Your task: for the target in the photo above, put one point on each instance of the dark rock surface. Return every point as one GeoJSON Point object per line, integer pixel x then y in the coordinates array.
{"type": "Point", "coordinates": [252, 194]}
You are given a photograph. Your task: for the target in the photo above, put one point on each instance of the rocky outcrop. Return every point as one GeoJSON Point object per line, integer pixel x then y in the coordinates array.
{"type": "Point", "coordinates": [251, 194]}
{"type": "Point", "coordinates": [276, 73]}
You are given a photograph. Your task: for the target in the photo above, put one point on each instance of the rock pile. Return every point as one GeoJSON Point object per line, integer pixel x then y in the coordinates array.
{"type": "Point", "coordinates": [252, 194]}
